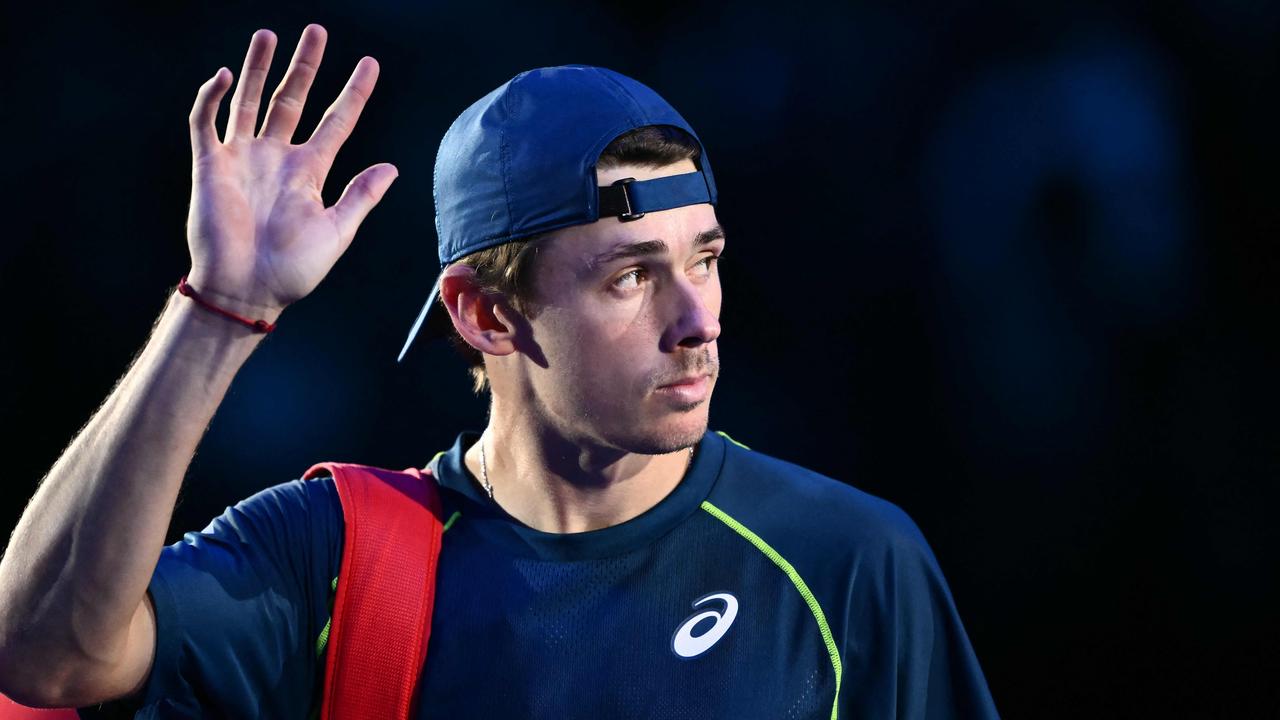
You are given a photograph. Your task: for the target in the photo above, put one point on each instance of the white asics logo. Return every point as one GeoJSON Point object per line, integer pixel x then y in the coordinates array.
{"type": "Point", "coordinates": [684, 644]}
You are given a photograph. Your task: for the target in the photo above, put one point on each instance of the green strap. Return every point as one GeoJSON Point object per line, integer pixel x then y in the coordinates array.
{"type": "Point", "coordinates": [324, 634]}
{"type": "Point", "coordinates": [324, 637]}
{"type": "Point", "coordinates": [796, 580]}
{"type": "Point", "coordinates": [449, 523]}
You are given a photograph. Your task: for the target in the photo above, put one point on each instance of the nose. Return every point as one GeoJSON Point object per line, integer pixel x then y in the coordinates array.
{"type": "Point", "coordinates": [694, 318]}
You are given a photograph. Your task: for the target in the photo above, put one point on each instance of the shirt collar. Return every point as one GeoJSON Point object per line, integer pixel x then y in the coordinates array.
{"type": "Point", "coordinates": [486, 517]}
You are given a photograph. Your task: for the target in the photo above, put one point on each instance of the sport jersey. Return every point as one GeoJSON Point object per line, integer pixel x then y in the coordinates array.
{"type": "Point", "coordinates": [754, 589]}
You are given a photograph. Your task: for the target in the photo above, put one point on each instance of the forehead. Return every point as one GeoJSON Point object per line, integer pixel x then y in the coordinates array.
{"type": "Point", "coordinates": [584, 248]}
{"type": "Point", "coordinates": [681, 230]}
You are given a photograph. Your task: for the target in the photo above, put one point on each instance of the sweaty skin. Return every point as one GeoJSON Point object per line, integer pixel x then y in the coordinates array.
{"type": "Point", "coordinates": [76, 624]}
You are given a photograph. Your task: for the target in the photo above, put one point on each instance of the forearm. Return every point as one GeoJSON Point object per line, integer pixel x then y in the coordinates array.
{"type": "Point", "coordinates": [78, 564]}
{"type": "Point", "coordinates": [80, 559]}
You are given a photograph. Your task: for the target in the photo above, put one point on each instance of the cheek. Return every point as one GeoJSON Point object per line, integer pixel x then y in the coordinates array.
{"type": "Point", "coordinates": [599, 358]}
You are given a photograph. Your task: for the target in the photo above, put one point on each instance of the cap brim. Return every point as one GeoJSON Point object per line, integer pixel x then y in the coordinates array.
{"type": "Point", "coordinates": [432, 320]}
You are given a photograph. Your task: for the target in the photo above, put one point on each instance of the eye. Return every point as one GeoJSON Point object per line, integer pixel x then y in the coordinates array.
{"type": "Point", "coordinates": [623, 281]}
{"type": "Point", "coordinates": [709, 261]}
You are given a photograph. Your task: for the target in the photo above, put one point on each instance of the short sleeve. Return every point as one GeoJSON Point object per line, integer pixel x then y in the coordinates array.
{"type": "Point", "coordinates": [239, 608]}
{"type": "Point", "coordinates": [917, 661]}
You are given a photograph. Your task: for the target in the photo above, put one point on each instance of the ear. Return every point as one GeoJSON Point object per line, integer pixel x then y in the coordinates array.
{"type": "Point", "coordinates": [484, 320]}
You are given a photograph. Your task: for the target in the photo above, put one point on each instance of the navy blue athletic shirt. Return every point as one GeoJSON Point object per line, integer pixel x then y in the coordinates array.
{"type": "Point", "coordinates": [755, 589]}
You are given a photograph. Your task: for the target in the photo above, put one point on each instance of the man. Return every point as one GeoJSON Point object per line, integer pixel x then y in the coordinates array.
{"type": "Point", "coordinates": [605, 555]}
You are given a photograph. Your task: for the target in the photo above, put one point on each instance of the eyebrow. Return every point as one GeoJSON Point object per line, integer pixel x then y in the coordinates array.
{"type": "Point", "coordinates": [653, 247]}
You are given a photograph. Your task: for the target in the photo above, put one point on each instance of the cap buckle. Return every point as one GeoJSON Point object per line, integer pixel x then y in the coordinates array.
{"type": "Point", "coordinates": [626, 197]}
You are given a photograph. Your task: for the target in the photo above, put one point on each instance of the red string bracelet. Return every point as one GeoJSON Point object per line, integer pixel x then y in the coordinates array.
{"type": "Point", "coordinates": [261, 326]}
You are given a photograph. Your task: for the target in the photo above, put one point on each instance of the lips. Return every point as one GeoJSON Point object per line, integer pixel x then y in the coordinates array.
{"type": "Point", "coordinates": [687, 380]}
{"type": "Point", "coordinates": [687, 391]}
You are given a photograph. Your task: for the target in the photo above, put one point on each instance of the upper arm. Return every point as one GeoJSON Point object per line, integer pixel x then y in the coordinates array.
{"type": "Point", "coordinates": [249, 593]}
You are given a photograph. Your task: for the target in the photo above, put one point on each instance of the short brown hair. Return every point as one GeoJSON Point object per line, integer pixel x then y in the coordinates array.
{"type": "Point", "coordinates": [508, 269]}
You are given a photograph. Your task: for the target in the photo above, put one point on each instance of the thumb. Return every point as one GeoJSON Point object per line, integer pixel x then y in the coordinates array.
{"type": "Point", "coordinates": [360, 196]}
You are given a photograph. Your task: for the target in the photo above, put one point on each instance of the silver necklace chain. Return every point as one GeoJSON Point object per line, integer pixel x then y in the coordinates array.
{"type": "Point", "coordinates": [484, 471]}
{"type": "Point", "coordinates": [484, 468]}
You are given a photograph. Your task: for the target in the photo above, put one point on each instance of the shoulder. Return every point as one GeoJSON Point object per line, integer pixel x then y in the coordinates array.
{"type": "Point", "coordinates": [309, 504]}
{"type": "Point", "coordinates": [276, 527]}
{"type": "Point", "coordinates": [294, 496]}
{"type": "Point", "coordinates": [871, 578]}
{"type": "Point", "coordinates": [807, 510]}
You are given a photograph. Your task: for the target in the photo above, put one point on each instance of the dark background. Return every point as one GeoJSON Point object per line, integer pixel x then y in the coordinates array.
{"type": "Point", "coordinates": [1011, 266]}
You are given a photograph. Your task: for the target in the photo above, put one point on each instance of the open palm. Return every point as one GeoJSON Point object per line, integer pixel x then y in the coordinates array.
{"type": "Point", "coordinates": [259, 234]}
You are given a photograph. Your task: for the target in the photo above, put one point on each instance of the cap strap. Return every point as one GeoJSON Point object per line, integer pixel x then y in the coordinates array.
{"type": "Point", "coordinates": [630, 199]}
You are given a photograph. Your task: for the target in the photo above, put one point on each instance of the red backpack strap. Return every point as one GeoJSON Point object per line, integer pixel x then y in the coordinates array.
{"type": "Point", "coordinates": [10, 710]}
{"type": "Point", "coordinates": [386, 590]}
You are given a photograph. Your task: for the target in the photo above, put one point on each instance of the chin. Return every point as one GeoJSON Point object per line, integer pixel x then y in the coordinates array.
{"type": "Point", "coordinates": [666, 435]}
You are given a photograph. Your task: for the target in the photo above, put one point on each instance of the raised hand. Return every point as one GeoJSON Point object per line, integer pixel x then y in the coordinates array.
{"type": "Point", "coordinates": [259, 234]}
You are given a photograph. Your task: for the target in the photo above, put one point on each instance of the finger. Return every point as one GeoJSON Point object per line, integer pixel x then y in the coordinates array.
{"type": "Point", "coordinates": [339, 120]}
{"type": "Point", "coordinates": [243, 119]}
{"type": "Point", "coordinates": [204, 136]}
{"type": "Point", "coordinates": [289, 97]}
{"type": "Point", "coordinates": [360, 196]}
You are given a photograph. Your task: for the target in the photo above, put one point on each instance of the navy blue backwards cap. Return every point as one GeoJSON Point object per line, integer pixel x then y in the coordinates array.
{"type": "Point", "coordinates": [522, 161]}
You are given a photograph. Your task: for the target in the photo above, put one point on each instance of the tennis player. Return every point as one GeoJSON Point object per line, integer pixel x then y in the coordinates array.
{"type": "Point", "coordinates": [606, 555]}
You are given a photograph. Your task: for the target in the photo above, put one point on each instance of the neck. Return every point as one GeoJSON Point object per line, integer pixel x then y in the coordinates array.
{"type": "Point", "coordinates": [558, 485]}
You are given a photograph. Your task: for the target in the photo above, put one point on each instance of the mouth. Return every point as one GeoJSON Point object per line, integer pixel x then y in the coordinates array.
{"type": "Point", "coordinates": [689, 389]}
